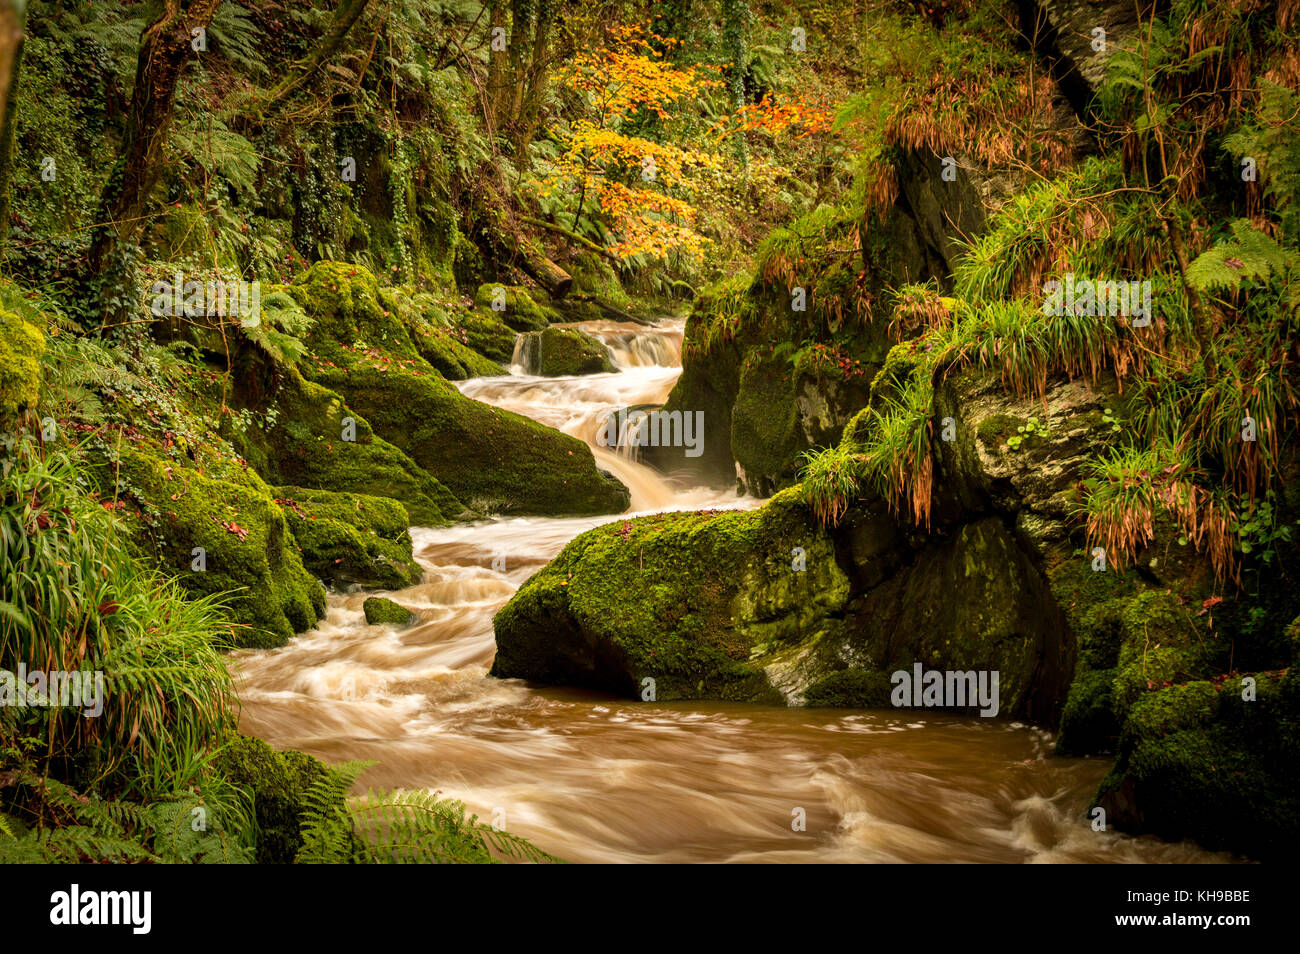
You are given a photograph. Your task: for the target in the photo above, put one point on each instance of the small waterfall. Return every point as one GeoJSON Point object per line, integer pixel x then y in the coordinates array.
{"type": "Point", "coordinates": [527, 354]}
{"type": "Point", "coordinates": [643, 350]}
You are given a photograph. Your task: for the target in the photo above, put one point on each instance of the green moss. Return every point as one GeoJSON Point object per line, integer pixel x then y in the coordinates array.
{"type": "Point", "coordinates": [521, 312]}
{"type": "Point", "coordinates": [891, 380]}
{"type": "Point", "coordinates": [248, 550]}
{"type": "Point", "coordinates": [454, 359]}
{"type": "Point", "coordinates": [1088, 722]}
{"type": "Point", "coordinates": [974, 602]}
{"type": "Point", "coordinates": [1127, 638]}
{"type": "Point", "coordinates": [858, 431]}
{"type": "Point", "coordinates": [555, 352]}
{"type": "Point", "coordinates": [679, 598]}
{"type": "Point", "coordinates": [1163, 642]}
{"type": "Point", "coordinates": [850, 689]}
{"type": "Point", "coordinates": [765, 436]}
{"type": "Point", "coordinates": [277, 783]}
{"type": "Point", "coordinates": [351, 538]}
{"type": "Point", "coordinates": [306, 449]}
{"type": "Point", "coordinates": [491, 458]}
{"type": "Point", "coordinates": [348, 309]}
{"type": "Point", "coordinates": [21, 347]}
{"type": "Point", "coordinates": [1198, 761]}
{"type": "Point", "coordinates": [487, 335]}
{"type": "Point", "coordinates": [384, 612]}
{"type": "Point", "coordinates": [593, 275]}
{"type": "Point", "coordinates": [1173, 709]}
{"type": "Point", "coordinates": [996, 429]}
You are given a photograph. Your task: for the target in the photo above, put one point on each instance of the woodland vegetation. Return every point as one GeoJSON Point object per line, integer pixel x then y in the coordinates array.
{"type": "Point", "coordinates": [400, 188]}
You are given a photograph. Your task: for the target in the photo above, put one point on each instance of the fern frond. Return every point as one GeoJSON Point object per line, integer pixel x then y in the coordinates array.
{"type": "Point", "coordinates": [1249, 255]}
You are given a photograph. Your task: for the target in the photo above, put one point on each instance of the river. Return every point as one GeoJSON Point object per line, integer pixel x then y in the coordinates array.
{"type": "Point", "coordinates": [592, 778]}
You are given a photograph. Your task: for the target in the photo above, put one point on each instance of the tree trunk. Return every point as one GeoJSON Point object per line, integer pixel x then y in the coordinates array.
{"type": "Point", "coordinates": [344, 19]}
{"type": "Point", "coordinates": [538, 267]}
{"type": "Point", "coordinates": [12, 22]}
{"type": "Point", "coordinates": [735, 27]}
{"type": "Point", "coordinates": [165, 51]}
{"type": "Point", "coordinates": [535, 88]}
{"type": "Point", "coordinates": [572, 237]}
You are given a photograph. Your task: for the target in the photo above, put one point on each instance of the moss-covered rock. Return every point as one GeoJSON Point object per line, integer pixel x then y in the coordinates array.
{"type": "Point", "coordinates": [1088, 722]}
{"type": "Point", "coordinates": [681, 599]}
{"type": "Point", "coordinates": [224, 534]}
{"type": "Point", "coordinates": [492, 459]}
{"type": "Point", "coordinates": [515, 306]}
{"type": "Point", "coordinates": [1129, 638]}
{"type": "Point", "coordinates": [1200, 761]}
{"type": "Point", "coordinates": [277, 783]}
{"type": "Point", "coordinates": [349, 310]}
{"type": "Point", "coordinates": [437, 337]}
{"type": "Point", "coordinates": [765, 434]}
{"type": "Point", "coordinates": [556, 352]}
{"type": "Point", "coordinates": [351, 538]}
{"type": "Point", "coordinates": [21, 347]}
{"type": "Point", "coordinates": [487, 335]}
{"type": "Point", "coordinates": [707, 604]}
{"type": "Point", "coordinates": [974, 601]}
{"type": "Point", "coordinates": [450, 352]}
{"type": "Point", "coordinates": [384, 612]}
{"type": "Point", "coordinates": [306, 448]}
{"type": "Point", "coordinates": [852, 688]}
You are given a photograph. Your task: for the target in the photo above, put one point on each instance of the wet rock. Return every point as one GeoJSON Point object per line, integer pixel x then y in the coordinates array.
{"type": "Point", "coordinates": [351, 539]}
{"type": "Point", "coordinates": [558, 352]}
{"type": "Point", "coordinates": [381, 611]}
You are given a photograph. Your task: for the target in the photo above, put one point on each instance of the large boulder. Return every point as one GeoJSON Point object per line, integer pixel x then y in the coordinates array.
{"type": "Point", "coordinates": [306, 447]}
{"type": "Point", "coordinates": [492, 459]}
{"type": "Point", "coordinates": [351, 539]}
{"type": "Point", "coordinates": [766, 606]}
{"type": "Point", "coordinates": [709, 593]}
{"type": "Point", "coordinates": [557, 352]}
{"type": "Point", "coordinates": [1067, 31]}
{"type": "Point", "coordinates": [220, 531]}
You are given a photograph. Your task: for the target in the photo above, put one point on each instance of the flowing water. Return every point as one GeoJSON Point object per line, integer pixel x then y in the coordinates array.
{"type": "Point", "coordinates": [595, 778]}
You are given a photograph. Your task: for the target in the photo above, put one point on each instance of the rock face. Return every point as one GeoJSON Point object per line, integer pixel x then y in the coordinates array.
{"type": "Point", "coordinates": [1067, 32]}
{"type": "Point", "coordinates": [558, 352]}
{"type": "Point", "coordinates": [765, 606]}
{"type": "Point", "coordinates": [774, 384]}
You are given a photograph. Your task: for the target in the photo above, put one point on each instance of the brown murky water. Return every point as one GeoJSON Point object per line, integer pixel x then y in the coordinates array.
{"type": "Point", "coordinates": [592, 778]}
